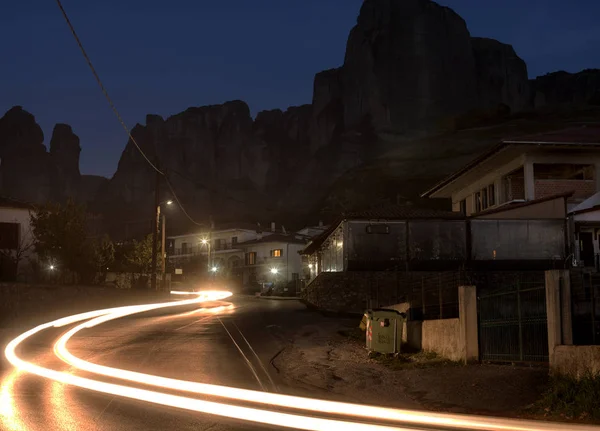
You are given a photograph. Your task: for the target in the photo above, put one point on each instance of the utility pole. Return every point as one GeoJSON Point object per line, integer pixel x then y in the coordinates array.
{"type": "Point", "coordinates": [155, 230]}
{"type": "Point", "coordinates": [163, 253]}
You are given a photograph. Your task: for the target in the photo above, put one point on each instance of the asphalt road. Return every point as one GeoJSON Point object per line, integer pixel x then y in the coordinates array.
{"type": "Point", "coordinates": [198, 345]}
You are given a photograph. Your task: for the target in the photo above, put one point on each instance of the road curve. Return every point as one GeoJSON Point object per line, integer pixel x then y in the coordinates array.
{"type": "Point", "coordinates": [261, 405]}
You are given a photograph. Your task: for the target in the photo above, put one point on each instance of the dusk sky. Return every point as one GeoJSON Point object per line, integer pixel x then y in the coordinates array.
{"type": "Point", "coordinates": [162, 57]}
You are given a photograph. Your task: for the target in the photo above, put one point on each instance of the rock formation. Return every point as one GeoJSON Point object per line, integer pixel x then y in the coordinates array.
{"type": "Point", "coordinates": [563, 88]}
{"type": "Point", "coordinates": [30, 173]}
{"type": "Point", "coordinates": [410, 65]}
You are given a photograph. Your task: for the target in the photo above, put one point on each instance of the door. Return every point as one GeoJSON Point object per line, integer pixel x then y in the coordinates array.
{"type": "Point", "coordinates": [586, 248]}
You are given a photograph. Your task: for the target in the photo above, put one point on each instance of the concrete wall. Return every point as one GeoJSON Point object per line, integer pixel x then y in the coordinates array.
{"type": "Point", "coordinates": [438, 336]}
{"type": "Point", "coordinates": [576, 361]}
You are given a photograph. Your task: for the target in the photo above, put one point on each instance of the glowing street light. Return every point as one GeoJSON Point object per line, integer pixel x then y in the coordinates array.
{"type": "Point", "coordinates": [204, 241]}
{"type": "Point", "coordinates": [169, 202]}
{"type": "Point", "coordinates": [274, 270]}
{"type": "Point", "coordinates": [214, 269]}
{"type": "Point", "coordinates": [52, 267]}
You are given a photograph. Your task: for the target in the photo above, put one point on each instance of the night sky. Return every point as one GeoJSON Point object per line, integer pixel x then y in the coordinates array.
{"type": "Point", "coordinates": [162, 57]}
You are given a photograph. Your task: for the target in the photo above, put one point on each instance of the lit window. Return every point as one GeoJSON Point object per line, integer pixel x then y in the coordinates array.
{"type": "Point", "coordinates": [277, 253]}
{"type": "Point", "coordinates": [251, 258]}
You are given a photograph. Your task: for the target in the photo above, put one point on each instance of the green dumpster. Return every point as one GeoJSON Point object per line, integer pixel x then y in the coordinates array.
{"type": "Point", "coordinates": [384, 330]}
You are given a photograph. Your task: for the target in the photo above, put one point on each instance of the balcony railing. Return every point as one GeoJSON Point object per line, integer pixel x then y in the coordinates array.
{"type": "Point", "coordinates": [203, 250]}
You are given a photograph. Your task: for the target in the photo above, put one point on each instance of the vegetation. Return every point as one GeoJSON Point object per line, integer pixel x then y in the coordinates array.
{"type": "Point", "coordinates": [62, 242]}
{"type": "Point", "coordinates": [568, 398]}
{"type": "Point", "coordinates": [409, 360]}
{"type": "Point", "coordinates": [139, 256]}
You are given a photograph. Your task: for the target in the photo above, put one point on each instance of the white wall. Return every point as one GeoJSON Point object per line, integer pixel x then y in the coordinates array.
{"type": "Point", "coordinates": [289, 263]}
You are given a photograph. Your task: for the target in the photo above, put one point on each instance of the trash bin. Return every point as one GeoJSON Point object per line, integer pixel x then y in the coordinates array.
{"type": "Point", "coordinates": [384, 330]}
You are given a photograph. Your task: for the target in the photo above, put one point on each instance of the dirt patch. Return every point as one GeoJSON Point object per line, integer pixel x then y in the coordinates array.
{"type": "Point", "coordinates": [330, 356]}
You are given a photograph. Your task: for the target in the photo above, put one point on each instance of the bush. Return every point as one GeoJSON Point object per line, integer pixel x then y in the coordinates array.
{"type": "Point", "coordinates": [572, 399]}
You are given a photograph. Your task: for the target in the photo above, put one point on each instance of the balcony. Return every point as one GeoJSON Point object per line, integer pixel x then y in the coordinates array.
{"type": "Point", "coordinates": [203, 250]}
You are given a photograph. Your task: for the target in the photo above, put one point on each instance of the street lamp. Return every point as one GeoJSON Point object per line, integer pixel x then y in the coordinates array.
{"type": "Point", "coordinates": [274, 271]}
{"type": "Point", "coordinates": [206, 242]}
{"type": "Point", "coordinates": [214, 269]}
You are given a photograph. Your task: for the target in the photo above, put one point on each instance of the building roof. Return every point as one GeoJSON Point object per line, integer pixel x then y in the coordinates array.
{"type": "Point", "coordinates": [584, 136]}
{"type": "Point", "coordinates": [6, 202]}
{"type": "Point", "coordinates": [396, 212]}
{"type": "Point", "coordinates": [276, 237]}
{"type": "Point", "coordinates": [590, 203]}
{"type": "Point", "coordinates": [514, 205]}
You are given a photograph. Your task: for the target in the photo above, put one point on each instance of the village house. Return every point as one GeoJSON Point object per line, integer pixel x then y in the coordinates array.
{"type": "Point", "coordinates": [543, 179]}
{"type": "Point", "coordinates": [16, 240]}
{"type": "Point", "coordinates": [244, 255]}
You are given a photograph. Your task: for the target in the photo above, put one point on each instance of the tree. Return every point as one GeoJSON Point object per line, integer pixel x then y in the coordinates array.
{"type": "Point", "coordinates": [61, 239]}
{"type": "Point", "coordinates": [104, 253]}
{"type": "Point", "coordinates": [139, 256]}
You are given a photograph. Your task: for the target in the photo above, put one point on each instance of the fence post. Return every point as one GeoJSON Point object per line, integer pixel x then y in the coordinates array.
{"type": "Point", "coordinates": [566, 310]}
{"type": "Point", "coordinates": [553, 310]}
{"type": "Point", "coordinates": [467, 318]}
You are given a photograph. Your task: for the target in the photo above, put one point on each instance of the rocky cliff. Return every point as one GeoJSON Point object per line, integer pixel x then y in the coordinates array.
{"type": "Point", "coordinates": [410, 67]}
{"type": "Point", "coordinates": [30, 173]}
{"type": "Point", "coordinates": [563, 88]}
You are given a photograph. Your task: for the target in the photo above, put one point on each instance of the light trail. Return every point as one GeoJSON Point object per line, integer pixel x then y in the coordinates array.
{"type": "Point", "coordinates": [402, 417]}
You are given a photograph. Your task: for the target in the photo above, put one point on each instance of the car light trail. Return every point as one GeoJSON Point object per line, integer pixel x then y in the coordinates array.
{"type": "Point", "coordinates": [402, 417]}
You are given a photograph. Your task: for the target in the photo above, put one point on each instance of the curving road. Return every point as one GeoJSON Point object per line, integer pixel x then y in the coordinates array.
{"type": "Point", "coordinates": [202, 364]}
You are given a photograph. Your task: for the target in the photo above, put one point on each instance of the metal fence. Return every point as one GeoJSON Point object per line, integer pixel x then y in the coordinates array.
{"type": "Point", "coordinates": [433, 295]}
{"type": "Point", "coordinates": [512, 316]}
{"type": "Point", "coordinates": [585, 311]}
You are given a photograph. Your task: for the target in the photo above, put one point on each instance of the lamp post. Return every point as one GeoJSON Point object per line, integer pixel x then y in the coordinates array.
{"type": "Point", "coordinates": [154, 244]}
{"type": "Point", "coordinates": [206, 242]}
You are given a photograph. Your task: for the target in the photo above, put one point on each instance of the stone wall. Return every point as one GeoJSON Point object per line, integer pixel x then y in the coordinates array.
{"type": "Point", "coordinates": [576, 361]}
{"type": "Point", "coordinates": [352, 292]}
{"type": "Point", "coordinates": [355, 291]}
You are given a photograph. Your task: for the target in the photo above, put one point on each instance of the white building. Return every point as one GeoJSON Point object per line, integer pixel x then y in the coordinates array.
{"type": "Point", "coordinates": [16, 240]}
{"type": "Point", "coordinates": [246, 255]}
{"type": "Point", "coordinates": [273, 259]}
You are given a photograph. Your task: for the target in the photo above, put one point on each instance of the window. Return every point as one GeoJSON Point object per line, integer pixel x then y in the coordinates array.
{"type": "Point", "coordinates": [184, 248]}
{"type": "Point", "coordinates": [251, 258]}
{"type": "Point", "coordinates": [378, 228]}
{"type": "Point", "coordinates": [233, 240]}
{"type": "Point", "coordinates": [492, 195]}
{"type": "Point", "coordinates": [463, 206]}
{"type": "Point", "coordinates": [277, 253]}
{"type": "Point", "coordinates": [477, 202]}
{"type": "Point", "coordinates": [484, 199]}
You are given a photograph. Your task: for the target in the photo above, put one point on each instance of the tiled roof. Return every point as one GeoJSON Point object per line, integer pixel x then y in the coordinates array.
{"type": "Point", "coordinates": [401, 212]}
{"type": "Point", "coordinates": [6, 202]}
{"type": "Point", "coordinates": [588, 136]}
{"type": "Point", "coordinates": [577, 135]}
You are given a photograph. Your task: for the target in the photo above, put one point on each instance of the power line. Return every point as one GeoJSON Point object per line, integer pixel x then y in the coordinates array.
{"type": "Point", "coordinates": [179, 203]}
{"type": "Point", "coordinates": [116, 112]}
{"type": "Point", "coordinates": [104, 91]}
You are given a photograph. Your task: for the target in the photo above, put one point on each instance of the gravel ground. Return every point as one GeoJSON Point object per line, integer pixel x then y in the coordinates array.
{"type": "Point", "coordinates": [319, 357]}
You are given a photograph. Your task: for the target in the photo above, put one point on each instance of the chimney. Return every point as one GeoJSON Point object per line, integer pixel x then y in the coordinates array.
{"type": "Point", "coordinates": [272, 226]}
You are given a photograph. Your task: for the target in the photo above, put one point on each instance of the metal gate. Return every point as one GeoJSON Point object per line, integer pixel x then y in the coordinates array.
{"type": "Point", "coordinates": [512, 320]}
